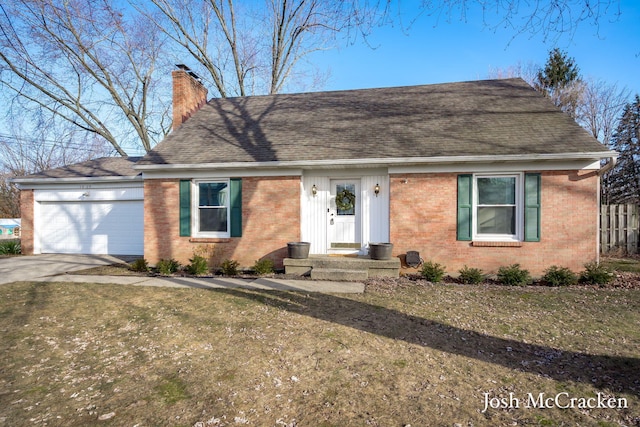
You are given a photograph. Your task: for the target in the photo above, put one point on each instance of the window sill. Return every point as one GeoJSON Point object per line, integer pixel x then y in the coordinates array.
{"type": "Point", "coordinates": [209, 240]}
{"type": "Point", "coordinates": [484, 244]}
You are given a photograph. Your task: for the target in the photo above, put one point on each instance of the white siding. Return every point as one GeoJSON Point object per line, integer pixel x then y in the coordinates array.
{"type": "Point", "coordinates": [314, 213]}
{"type": "Point", "coordinates": [375, 217]}
{"type": "Point", "coordinates": [375, 210]}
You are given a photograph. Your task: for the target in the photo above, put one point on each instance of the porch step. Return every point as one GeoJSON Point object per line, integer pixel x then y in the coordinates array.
{"type": "Point", "coordinates": [361, 267]}
{"type": "Point", "coordinates": [338, 274]}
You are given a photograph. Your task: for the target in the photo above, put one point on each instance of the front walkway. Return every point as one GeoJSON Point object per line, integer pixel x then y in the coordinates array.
{"type": "Point", "coordinates": [59, 268]}
{"type": "Point", "coordinates": [215, 283]}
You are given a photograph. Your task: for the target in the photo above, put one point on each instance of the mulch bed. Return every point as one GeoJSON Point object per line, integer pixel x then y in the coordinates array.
{"type": "Point", "coordinates": [623, 280]}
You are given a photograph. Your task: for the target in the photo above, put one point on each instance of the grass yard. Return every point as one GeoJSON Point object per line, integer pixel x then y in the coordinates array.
{"type": "Point", "coordinates": [397, 355]}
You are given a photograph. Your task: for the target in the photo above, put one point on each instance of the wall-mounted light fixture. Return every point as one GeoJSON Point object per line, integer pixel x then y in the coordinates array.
{"type": "Point", "coordinates": [376, 189]}
{"type": "Point", "coordinates": [314, 190]}
{"type": "Point", "coordinates": [86, 194]}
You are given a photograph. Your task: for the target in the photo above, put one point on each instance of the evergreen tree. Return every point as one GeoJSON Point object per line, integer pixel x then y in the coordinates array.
{"type": "Point", "coordinates": [623, 182]}
{"type": "Point", "coordinates": [560, 80]}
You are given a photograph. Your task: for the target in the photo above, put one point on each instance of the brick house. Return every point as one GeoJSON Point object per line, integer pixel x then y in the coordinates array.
{"type": "Point", "coordinates": [483, 173]}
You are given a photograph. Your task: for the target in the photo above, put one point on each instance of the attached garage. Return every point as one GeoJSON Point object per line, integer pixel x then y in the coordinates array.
{"type": "Point", "coordinates": [94, 207]}
{"type": "Point", "coordinates": [100, 227]}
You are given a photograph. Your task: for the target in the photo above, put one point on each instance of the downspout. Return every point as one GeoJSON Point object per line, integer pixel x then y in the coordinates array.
{"type": "Point", "coordinates": [606, 168]}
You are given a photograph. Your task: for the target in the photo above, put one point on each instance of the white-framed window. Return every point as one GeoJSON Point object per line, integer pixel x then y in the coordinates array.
{"type": "Point", "coordinates": [498, 212]}
{"type": "Point", "coordinates": [211, 210]}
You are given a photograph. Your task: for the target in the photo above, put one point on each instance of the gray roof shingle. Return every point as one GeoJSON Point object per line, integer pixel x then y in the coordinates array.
{"type": "Point", "coordinates": [104, 167]}
{"type": "Point", "coordinates": [479, 118]}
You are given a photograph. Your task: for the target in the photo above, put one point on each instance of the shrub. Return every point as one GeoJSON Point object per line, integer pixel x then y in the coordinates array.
{"type": "Point", "coordinates": [432, 271]}
{"type": "Point", "coordinates": [596, 274]}
{"type": "Point", "coordinates": [140, 265]}
{"type": "Point", "coordinates": [229, 267]}
{"type": "Point", "coordinates": [198, 266]}
{"type": "Point", "coordinates": [471, 276]}
{"type": "Point", "coordinates": [559, 276]}
{"type": "Point", "coordinates": [10, 247]}
{"type": "Point", "coordinates": [263, 266]}
{"type": "Point", "coordinates": [513, 275]}
{"type": "Point", "coordinates": [166, 267]}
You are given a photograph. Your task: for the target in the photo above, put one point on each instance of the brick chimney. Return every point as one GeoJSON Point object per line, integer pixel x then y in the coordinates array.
{"type": "Point", "coordinates": [189, 94]}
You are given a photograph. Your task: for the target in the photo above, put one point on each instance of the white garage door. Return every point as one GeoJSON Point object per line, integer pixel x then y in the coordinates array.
{"type": "Point", "coordinates": [96, 227]}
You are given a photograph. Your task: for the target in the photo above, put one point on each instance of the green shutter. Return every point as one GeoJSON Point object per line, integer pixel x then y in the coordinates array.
{"type": "Point", "coordinates": [465, 207]}
{"type": "Point", "coordinates": [532, 185]}
{"type": "Point", "coordinates": [185, 208]}
{"type": "Point", "coordinates": [235, 188]}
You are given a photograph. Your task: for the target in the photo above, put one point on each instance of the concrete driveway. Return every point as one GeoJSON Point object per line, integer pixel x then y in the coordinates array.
{"type": "Point", "coordinates": [33, 267]}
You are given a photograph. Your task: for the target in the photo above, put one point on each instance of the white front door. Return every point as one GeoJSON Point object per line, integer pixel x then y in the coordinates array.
{"type": "Point", "coordinates": [344, 230]}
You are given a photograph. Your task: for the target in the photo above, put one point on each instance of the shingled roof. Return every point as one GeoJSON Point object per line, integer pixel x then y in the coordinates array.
{"type": "Point", "coordinates": [104, 167]}
{"type": "Point", "coordinates": [479, 118]}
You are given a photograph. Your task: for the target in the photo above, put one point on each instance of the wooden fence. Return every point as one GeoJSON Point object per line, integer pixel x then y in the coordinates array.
{"type": "Point", "coordinates": [619, 228]}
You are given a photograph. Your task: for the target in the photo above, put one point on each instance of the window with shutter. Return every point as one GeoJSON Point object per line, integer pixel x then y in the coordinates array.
{"type": "Point", "coordinates": [499, 207]}
{"type": "Point", "coordinates": [211, 208]}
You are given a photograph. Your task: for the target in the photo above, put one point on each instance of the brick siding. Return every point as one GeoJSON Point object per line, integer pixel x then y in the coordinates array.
{"type": "Point", "coordinates": [423, 212]}
{"type": "Point", "coordinates": [189, 95]}
{"type": "Point", "coordinates": [26, 226]}
{"type": "Point", "coordinates": [270, 219]}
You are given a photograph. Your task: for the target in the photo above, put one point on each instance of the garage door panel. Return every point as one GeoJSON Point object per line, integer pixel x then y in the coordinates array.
{"type": "Point", "coordinates": [92, 227]}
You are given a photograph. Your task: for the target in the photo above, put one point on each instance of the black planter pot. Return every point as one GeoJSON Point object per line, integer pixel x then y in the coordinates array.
{"type": "Point", "coordinates": [298, 250]}
{"type": "Point", "coordinates": [380, 250]}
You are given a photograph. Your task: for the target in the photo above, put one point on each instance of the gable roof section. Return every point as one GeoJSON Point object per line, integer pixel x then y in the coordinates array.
{"type": "Point", "coordinates": [470, 119]}
{"type": "Point", "coordinates": [104, 168]}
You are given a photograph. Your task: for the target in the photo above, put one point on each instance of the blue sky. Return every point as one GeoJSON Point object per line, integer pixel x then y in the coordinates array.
{"type": "Point", "coordinates": [449, 50]}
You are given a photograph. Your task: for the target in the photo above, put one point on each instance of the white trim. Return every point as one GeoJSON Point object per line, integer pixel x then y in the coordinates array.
{"type": "Point", "coordinates": [31, 183]}
{"type": "Point", "coordinates": [195, 210]}
{"type": "Point", "coordinates": [598, 219]}
{"type": "Point", "coordinates": [219, 173]}
{"type": "Point", "coordinates": [378, 162]}
{"type": "Point", "coordinates": [498, 167]}
{"type": "Point", "coordinates": [37, 228]}
{"type": "Point", "coordinates": [342, 173]}
{"type": "Point", "coordinates": [519, 193]}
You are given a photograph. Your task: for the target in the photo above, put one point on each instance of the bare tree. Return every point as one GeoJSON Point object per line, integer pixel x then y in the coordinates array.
{"type": "Point", "coordinates": [9, 197]}
{"type": "Point", "coordinates": [99, 65]}
{"type": "Point", "coordinates": [527, 72]}
{"type": "Point", "coordinates": [86, 62]}
{"type": "Point", "coordinates": [601, 107]}
{"type": "Point", "coordinates": [255, 47]}
{"type": "Point", "coordinates": [54, 143]}
{"type": "Point", "coordinates": [549, 18]}
{"type": "Point", "coordinates": [566, 96]}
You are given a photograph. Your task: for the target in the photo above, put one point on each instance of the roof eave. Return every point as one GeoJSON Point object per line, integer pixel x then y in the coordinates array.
{"type": "Point", "coordinates": [379, 162]}
{"type": "Point", "coordinates": [23, 182]}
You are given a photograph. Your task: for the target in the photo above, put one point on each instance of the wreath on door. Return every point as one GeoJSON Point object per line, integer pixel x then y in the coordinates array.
{"type": "Point", "coordinates": [345, 200]}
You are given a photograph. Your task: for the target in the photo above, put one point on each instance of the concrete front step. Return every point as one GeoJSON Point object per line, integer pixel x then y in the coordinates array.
{"type": "Point", "coordinates": [338, 275]}
{"type": "Point", "coordinates": [372, 268]}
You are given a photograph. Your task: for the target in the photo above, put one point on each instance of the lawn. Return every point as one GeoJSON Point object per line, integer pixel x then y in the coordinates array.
{"type": "Point", "coordinates": [399, 354]}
